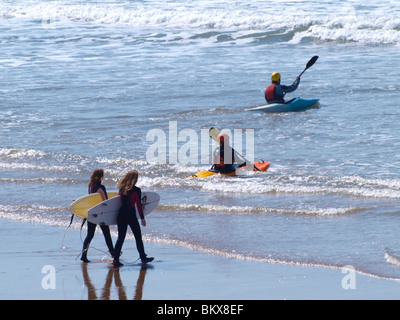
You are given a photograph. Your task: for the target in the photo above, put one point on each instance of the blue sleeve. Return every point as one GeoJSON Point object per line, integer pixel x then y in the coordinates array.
{"type": "Point", "coordinates": [292, 87]}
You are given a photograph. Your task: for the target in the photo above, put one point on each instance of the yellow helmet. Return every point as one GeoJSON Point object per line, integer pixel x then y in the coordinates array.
{"type": "Point", "coordinates": [276, 77]}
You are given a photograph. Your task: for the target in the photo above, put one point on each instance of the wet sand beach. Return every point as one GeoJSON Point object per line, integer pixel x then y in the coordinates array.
{"type": "Point", "coordinates": [35, 266]}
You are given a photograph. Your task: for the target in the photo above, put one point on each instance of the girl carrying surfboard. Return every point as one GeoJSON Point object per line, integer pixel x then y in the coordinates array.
{"type": "Point", "coordinates": [96, 186]}
{"type": "Point", "coordinates": [130, 200]}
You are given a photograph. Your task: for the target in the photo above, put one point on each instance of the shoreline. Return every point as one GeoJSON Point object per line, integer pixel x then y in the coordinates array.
{"type": "Point", "coordinates": [36, 267]}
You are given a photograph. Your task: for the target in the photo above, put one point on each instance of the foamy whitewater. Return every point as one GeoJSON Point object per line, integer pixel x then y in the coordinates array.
{"type": "Point", "coordinates": [83, 83]}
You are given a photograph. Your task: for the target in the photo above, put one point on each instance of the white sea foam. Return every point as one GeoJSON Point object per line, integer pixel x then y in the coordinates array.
{"type": "Point", "coordinates": [47, 168]}
{"type": "Point", "coordinates": [345, 23]}
{"type": "Point", "coordinates": [391, 257]}
{"type": "Point", "coordinates": [221, 209]}
{"type": "Point", "coordinates": [35, 213]}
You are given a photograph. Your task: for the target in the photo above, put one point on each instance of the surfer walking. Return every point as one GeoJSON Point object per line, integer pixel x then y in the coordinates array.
{"type": "Point", "coordinates": [130, 200]}
{"type": "Point", "coordinates": [95, 185]}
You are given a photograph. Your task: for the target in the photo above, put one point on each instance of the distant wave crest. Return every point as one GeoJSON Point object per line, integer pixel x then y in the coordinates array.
{"type": "Point", "coordinates": [241, 24]}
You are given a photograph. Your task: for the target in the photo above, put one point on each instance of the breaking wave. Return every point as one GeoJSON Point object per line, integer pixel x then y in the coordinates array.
{"type": "Point", "coordinates": [216, 22]}
{"type": "Point", "coordinates": [45, 167]}
{"type": "Point", "coordinates": [221, 209]}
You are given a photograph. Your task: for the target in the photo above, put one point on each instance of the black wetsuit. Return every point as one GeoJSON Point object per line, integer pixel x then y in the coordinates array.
{"type": "Point", "coordinates": [127, 216]}
{"type": "Point", "coordinates": [91, 227]}
{"type": "Point", "coordinates": [226, 163]}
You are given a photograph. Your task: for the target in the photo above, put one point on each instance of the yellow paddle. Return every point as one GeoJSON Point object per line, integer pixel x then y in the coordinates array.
{"type": "Point", "coordinates": [203, 174]}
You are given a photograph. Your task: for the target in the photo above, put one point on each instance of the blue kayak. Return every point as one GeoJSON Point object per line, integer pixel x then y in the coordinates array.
{"type": "Point", "coordinates": [296, 104]}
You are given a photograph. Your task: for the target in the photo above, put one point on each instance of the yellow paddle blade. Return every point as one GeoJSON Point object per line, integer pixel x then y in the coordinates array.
{"type": "Point", "coordinates": [213, 133]}
{"type": "Point", "coordinates": [203, 174]}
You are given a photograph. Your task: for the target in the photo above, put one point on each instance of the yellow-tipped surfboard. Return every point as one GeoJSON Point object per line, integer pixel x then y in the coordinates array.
{"type": "Point", "coordinates": [81, 206]}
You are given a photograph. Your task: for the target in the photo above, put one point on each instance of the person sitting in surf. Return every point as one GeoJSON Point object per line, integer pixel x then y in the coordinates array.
{"type": "Point", "coordinates": [275, 92]}
{"type": "Point", "coordinates": [225, 159]}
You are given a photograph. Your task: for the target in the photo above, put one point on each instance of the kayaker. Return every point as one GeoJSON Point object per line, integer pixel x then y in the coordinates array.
{"type": "Point", "coordinates": [275, 92]}
{"type": "Point", "coordinates": [225, 159]}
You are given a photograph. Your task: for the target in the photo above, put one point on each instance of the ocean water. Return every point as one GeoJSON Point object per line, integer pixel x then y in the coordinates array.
{"type": "Point", "coordinates": [88, 84]}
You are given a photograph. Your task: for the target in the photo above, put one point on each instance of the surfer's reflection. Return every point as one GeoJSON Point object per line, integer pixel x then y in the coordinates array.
{"type": "Point", "coordinates": [113, 273]}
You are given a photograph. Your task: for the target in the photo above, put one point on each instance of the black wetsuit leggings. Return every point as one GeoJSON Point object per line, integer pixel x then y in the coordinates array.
{"type": "Point", "coordinates": [125, 219]}
{"type": "Point", "coordinates": [91, 228]}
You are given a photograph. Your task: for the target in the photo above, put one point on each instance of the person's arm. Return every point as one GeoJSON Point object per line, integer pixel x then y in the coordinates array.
{"type": "Point", "coordinates": [103, 192]}
{"type": "Point", "coordinates": [238, 158]}
{"type": "Point", "coordinates": [216, 156]}
{"type": "Point", "coordinates": [292, 87]}
{"type": "Point", "coordinates": [136, 200]}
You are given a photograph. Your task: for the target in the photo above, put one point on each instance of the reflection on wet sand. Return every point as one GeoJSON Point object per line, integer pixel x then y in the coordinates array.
{"type": "Point", "coordinates": [113, 273]}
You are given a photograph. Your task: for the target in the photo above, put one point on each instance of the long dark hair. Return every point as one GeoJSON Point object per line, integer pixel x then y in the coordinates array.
{"type": "Point", "coordinates": [129, 181]}
{"type": "Point", "coordinates": [95, 178]}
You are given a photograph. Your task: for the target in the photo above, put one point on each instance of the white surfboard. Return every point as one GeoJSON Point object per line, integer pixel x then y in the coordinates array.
{"type": "Point", "coordinates": [106, 212]}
